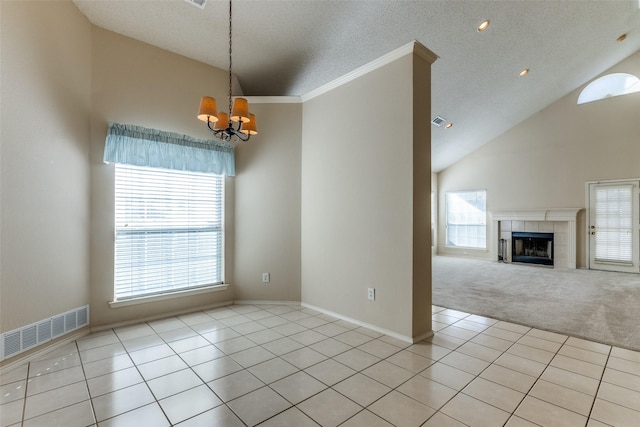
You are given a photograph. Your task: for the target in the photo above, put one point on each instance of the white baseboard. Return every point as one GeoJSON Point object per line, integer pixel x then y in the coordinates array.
{"type": "Point", "coordinates": [160, 316]}
{"type": "Point", "coordinates": [264, 302]}
{"type": "Point", "coordinates": [407, 339]}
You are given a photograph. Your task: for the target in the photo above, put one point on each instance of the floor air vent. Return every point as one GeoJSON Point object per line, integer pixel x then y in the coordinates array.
{"type": "Point", "coordinates": [27, 337]}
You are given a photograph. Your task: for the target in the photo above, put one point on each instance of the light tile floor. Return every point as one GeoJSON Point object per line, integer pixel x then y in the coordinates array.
{"type": "Point", "coordinates": [278, 365]}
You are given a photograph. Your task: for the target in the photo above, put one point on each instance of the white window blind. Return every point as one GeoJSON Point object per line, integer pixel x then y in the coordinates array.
{"type": "Point", "coordinates": [168, 230]}
{"type": "Point", "coordinates": [466, 213]}
{"type": "Point", "coordinates": [614, 223]}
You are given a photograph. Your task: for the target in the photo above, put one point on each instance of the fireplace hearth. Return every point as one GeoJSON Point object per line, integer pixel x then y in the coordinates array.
{"type": "Point", "coordinates": [532, 248]}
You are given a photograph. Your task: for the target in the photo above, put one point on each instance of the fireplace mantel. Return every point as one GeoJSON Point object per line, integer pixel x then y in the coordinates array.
{"type": "Point", "coordinates": [561, 214]}
{"type": "Point", "coordinates": [566, 215]}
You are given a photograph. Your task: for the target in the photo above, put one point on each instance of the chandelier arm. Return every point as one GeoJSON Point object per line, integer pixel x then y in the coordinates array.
{"type": "Point", "coordinates": [210, 127]}
{"type": "Point", "coordinates": [244, 137]}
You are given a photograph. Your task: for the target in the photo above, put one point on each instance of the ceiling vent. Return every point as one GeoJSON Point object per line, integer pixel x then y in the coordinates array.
{"type": "Point", "coordinates": [438, 121]}
{"type": "Point", "coordinates": [198, 3]}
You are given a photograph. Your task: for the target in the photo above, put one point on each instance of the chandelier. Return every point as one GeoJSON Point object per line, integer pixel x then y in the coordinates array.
{"type": "Point", "coordinates": [236, 125]}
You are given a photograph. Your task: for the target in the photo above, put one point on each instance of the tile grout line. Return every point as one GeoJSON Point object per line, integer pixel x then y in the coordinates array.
{"type": "Point", "coordinates": [144, 380]}
{"type": "Point", "coordinates": [86, 381]}
{"type": "Point", "coordinates": [26, 387]}
{"type": "Point", "coordinates": [513, 414]}
{"type": "Point", "coordinates": [458, 392]}
{"type": "Point", "coordinates": [595, 396]}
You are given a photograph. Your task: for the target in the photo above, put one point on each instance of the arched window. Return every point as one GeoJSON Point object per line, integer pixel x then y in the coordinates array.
{"type": "Point", "coordinates": [608, 86]}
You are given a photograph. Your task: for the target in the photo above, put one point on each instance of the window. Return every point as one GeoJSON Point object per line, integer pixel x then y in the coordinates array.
{"type": "Point", "coordinates": [466, 213]}
{"type": "Point", "coordinates": [614, 223]}
{"type": "Point", "coordinates": [168, 230]}
{"type": "Point", "coordinates": [608, 86]}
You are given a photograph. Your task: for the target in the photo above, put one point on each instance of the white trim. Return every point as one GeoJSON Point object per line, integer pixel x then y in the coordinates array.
{"type": "Point", "coordinates": [274, 99]}
{"type": "Point", "coordinates": [138, 320]}
{"type": "Point", "coordinates": [560, 214]}
{"type": "Point", "coordinates": [44, 348]}
{"type": "Point", "coordinates": [587, 190]}
{"type": "Point", "coordinates": [264, 302]}
{"type": "Point", "coordinates": [170, 295]}
{"type": "Point", "coordinates": [424, 52]}
{"type": "Point", "coordinates": [392, 334]}
{"type": "Point", "coordinates": [587, 198]}
{"type": "Point", "coordinates": [411, 47]}
{"type": "Point", "coordinates": [423, 337]}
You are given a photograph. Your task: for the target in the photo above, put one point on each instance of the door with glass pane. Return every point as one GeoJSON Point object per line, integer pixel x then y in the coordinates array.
{"type": "Point", "coordinates": [614, 226]}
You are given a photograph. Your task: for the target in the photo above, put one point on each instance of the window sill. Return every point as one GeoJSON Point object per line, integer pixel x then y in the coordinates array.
{"type": "Point", "coordinates": [172, 295]}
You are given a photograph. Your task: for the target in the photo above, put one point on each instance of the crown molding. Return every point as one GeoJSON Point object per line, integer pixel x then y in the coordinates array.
{"type": "Point", "coordinates": [562, 214]}
{"type": "Point", "coordinates": [274, 99]}
{"type": "Point", "coordinates": [411, 47]}
{"type": "Point", "coordinates": [424, 52]}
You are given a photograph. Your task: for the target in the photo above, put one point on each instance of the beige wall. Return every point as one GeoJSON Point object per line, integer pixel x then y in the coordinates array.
{"type": "Point", "coordinates": [44, 171]}
{"type": "Point", "coordinates": [545, 161]}
{"type": "Point", "coordinates": [135, 83]}
{"type": "Point", "coordinates": [421, 145]}
{"type": "Point", "coordinates": [267, 206]}
{"type": "Point", "coordinates": [358, 198]}
{"type": "Point", "coordinates": [64, 258]}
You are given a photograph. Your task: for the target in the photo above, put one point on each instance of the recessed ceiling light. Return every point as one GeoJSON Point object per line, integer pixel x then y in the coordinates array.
{"type": "Point", "coordinates": [449, 125]}
{"type": "Point", "coordinates": [483, 26]}
{"type": "Point", "coordinates": [524, 72]}
{"type": "Point", "coordinates": [621, 38]}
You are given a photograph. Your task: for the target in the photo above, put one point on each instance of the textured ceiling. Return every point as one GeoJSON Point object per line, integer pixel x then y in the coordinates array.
{"type": "Point", "coordinates": [290, 47]}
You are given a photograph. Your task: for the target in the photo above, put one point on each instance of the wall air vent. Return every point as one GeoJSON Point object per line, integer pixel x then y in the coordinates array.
{"type": "Point", "coordinates": [29, 336]}
{"type": "Point", "coordinates": [198, 3]}
{"type": "Point", "coordinates": [438, 121]}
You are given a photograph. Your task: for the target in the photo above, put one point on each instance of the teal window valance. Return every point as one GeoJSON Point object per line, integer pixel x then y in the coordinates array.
{"type": "Point", "coordinates": [139, 146]}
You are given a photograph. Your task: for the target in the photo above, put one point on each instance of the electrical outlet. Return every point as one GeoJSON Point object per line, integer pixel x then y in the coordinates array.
{"type": "Point", "coordinates": [371, 294]}
{"type": "Point", "coordinates": [266, 277]}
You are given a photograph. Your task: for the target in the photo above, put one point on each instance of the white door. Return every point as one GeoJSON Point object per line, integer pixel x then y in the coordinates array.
{"type": "Point", "coordinates": [614, 226]}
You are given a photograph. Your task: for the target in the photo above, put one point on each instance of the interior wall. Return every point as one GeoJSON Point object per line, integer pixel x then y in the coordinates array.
{"type": "Point", "coordinates": [545, 161]}
{"type": "Point", "coordinates": [357, 198]}
{"type": "Point", "coordinates": [44, 173]}
{"type": "Point", "coordinates": [267, 205]}
{"type": "Point", "coordinates": [136, 83]}
{"type": "Point", "coordinates": [421, 280]}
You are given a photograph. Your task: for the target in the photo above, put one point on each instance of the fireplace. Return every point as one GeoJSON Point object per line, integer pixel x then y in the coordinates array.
{"type": "Point", "coordinates": [559, 221]}
{"type": "Point", "coordinates": [532, 248]}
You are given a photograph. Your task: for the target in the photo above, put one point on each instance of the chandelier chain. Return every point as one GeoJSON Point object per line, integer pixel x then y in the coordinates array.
{"type": "Point", "coordinates": [207, 112]}
{"type": "Point", "coordinates": [230, 77]}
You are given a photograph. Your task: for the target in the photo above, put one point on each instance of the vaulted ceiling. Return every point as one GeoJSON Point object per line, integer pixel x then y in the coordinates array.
{"type": "Point", "coordinates": [291, 47]}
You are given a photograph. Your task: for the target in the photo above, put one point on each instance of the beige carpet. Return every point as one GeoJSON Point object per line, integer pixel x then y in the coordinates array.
{"type": "Point", "coordinates": [596, 305]}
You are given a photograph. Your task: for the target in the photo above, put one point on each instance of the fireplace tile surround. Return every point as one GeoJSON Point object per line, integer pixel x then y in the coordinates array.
{"type": "Point", "coordinates": [560, 222]}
